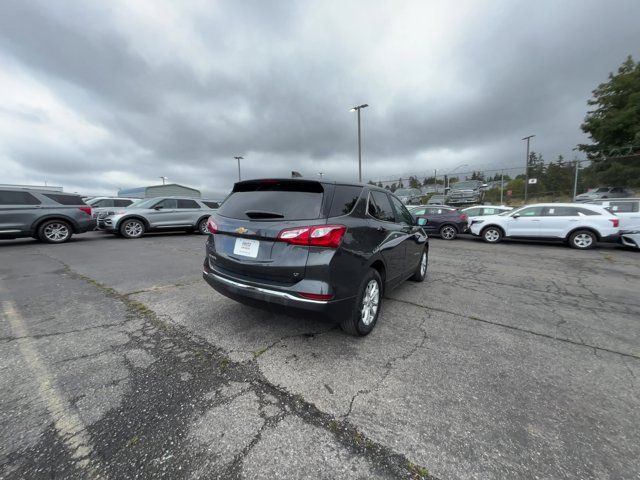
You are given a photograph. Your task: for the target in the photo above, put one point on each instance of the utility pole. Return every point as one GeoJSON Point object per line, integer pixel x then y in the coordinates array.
{"type": "Point", "coordinates": [435, 178]}
{"type": "Point", "coordinates": [163, 179]}
{"type": "Point", "coordinates": [238, 159]}
{"type": "Point", "coordinates": [526, 167]}
{"type": "Point", "coordinates": [357, 109]}
{"type": "Point", "coordinates": [575, 180]}
{"type": "Point", "coordinates": [501, 185]}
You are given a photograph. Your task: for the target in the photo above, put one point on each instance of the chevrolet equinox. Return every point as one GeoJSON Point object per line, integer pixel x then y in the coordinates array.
{"type": "Point", "coordinates": [312, 247]}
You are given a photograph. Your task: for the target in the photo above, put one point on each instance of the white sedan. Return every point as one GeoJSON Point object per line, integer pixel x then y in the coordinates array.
{"type": "Point", "coordinates": [580, 224]}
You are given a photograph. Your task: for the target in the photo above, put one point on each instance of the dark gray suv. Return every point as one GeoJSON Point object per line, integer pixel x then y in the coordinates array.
{"type": "Point", "coordinates": [314, 247]}
{"type": "Point", "coordinates": [46, 215]}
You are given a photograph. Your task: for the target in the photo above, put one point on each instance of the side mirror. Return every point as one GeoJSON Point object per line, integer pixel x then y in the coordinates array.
{"type": "Point", "coordinates": [421, 221]}
{"type": "Point", "coordinates": [158, 207]}
{"type": "Point", "coordinates": [516, 215]}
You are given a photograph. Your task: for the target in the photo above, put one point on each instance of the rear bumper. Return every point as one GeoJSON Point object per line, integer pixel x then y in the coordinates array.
{"type": "Point", "coordinates": [279, 299]}
{"type": "Point", "coordinates": [613, 238]}
{"type": "Point", "coordinates": [85, 226]}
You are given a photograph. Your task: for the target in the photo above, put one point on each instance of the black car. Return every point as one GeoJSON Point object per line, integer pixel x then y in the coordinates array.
{"type": "Point", "coordinates": [448, 222]}
{"type": "Point", "coordinates": [323, 248]}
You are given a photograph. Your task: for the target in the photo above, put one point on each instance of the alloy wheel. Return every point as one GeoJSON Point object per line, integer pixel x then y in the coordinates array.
{"type": "Point", "coordinates": [370, 302]}
{"type": "Point", "coordinates": [423, 264]}
{"type": "Point", "coordinates": [133, 229]}
{"type": "Point", "coordinates": [203, 227]}
{"type": "Point", "coordinates": [56, 232]}
{"type": "Point", "coordinates": [448, 233]}
{"type": "Point", "coordinates": [491, 235]}
{"type": "Point", "coordinates": [583, 240]}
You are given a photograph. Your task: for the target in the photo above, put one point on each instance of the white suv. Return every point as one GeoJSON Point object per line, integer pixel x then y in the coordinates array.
{"type": "Point", "coordinates": [626, 209]}
{"type": "Point", "coordinates": [579, 224]}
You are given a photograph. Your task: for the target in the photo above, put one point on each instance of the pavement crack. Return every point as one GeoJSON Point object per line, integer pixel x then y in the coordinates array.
{"type": "Point", "coordinates": [518, 329]}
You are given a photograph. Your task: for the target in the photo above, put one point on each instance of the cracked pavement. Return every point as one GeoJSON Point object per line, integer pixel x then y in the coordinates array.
{"type": "Point", "coordinates": [517, 360]}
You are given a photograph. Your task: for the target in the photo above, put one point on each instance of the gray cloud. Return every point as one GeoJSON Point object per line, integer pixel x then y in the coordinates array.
{"type": "Point", "coordinates": [179, 92]}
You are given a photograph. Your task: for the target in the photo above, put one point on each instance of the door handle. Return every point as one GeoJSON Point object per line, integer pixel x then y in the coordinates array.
{"type": "Point", "coordinates": [380, 229]}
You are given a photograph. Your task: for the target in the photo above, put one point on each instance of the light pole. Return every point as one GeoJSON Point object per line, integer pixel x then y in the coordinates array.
{"type": "Point", "coordinates": [321, 175]}
{"type": "Point", "coordinates": [501, 185]}
{"type": "Point", "coordinates": [357, 109]}
{"type": "Point", "coordinates": [526, 167]}
{"type": "Point", "coordinates": [163, 179]}
{"type": "Point", "coordinates": [238, 159]}
{"type": "Point", "coordinates": [575, 181]}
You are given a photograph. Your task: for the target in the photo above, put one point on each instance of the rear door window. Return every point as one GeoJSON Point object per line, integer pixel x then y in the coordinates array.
{"type": "Point", "coordinates": [274, 200]}
{"type": "Point", "coordinates": [345, 198]}
{"type": "Point", "coordinates": [188, 204]}
{"type": "Point", "coordinates": [65, 199]}
{"type": "Point", "coordinates": [122, 203]}
{"type": "Point", "coordinates": [380, 207]}
{"type": "Point", "coordinates": [212, 204]}
{"type": "Point", "coordinates": [8, 197]}
{"type": "Point", "coordinates": [561, 212]}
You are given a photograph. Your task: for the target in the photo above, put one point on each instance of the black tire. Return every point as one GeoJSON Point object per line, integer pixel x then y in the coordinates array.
{"type": "Point", "coordinates": [354, 325]}
{"type": "Point", "coordinates": [421, 273]}
{"type": "Point", "coordinates": [583, 239]}
{"type": "Point", "coordinates": [202, 226]}
{"type": "Point", "coordinates": [132, 228]}
{"type": "Point", "coordinates": [448, 232]}
{"type": "Point", "coordinates": [54, 231]}
{"type": "Point", "coordinates": [492, 234]}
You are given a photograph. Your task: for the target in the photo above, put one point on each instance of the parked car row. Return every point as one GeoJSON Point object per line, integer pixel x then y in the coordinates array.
{"type": "Point", "coordinates": [581, 225]}
{"type": "Point", "coordinates": [53, 216]}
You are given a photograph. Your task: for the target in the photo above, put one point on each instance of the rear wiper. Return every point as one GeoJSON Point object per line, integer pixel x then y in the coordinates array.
{"type": "Point", "coordinates": [262, 214]}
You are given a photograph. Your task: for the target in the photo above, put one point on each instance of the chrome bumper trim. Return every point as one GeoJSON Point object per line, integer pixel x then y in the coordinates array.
{"type": "Point", "coordinates": [267, 291]}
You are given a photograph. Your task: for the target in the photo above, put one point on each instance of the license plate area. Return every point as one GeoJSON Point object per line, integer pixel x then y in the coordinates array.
{"type": "Point", "coordinates": [246, 247]}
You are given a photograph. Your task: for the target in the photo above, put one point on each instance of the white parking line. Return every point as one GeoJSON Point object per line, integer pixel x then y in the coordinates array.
{"type": "Point", "coordinates": [65, 418]}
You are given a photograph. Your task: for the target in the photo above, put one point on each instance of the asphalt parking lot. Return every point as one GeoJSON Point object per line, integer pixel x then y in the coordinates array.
{"type": "Point", "coordinates": [515, 360]}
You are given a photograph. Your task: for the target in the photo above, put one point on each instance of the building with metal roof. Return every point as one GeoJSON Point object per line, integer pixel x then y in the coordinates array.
{"type": "Point", "coordinates": [168, 190]}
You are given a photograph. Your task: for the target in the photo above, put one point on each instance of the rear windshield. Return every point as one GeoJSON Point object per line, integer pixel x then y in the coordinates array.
{"type": "Point", "coordinates": [65, 199]}
{"type": "Point", "coordinates": [274, 200]}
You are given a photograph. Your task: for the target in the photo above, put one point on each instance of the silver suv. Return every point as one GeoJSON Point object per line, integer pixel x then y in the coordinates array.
{"type": "Point", "coordinates": [109, 205]}
{"type": "Point", "coordinates": [157, 214]}
{"type": "Point", "coordinates": [602, 193]}
{"type": "Point", "coordinates": [45, 215]}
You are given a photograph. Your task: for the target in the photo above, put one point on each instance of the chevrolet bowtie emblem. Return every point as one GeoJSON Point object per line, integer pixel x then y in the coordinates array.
{"type": "Point", "coordinates": [241, 230]}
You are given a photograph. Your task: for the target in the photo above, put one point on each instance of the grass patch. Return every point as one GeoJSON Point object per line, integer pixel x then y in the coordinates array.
{"type": "Point", "coordinates": [417, 472]}
{"type": "Point", "coordinates": [260, 351]}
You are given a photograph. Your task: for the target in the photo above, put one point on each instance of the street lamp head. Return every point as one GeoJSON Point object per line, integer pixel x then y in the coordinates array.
{"type": "Point", "coordinates": [239, 158]}
{"type": "Point", "coordinates": [530, 136]}
{"type": "Point", "coordinates": [364, 105]}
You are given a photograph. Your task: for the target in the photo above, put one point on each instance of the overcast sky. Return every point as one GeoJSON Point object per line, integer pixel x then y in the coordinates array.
{"type": "Point", "coordinates": [98, 95]}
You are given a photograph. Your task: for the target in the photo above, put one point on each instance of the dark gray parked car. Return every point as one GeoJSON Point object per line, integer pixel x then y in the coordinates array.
{"type": "Point", "coordinates": [157, 214]}
{"type": "Point", "coordinates": [49, 216]}
{"type": "Point", "coordinates": [315, 248]}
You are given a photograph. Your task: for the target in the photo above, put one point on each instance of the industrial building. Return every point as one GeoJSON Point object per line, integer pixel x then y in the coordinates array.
{"type": "Point", "coordinates": [168, 190]}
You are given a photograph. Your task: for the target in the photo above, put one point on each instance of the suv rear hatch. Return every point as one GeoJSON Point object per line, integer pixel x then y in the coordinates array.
{"type": "Point", "coordinates": [250, 221]}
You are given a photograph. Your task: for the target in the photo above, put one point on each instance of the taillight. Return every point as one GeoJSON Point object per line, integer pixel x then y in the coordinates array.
{"type": "Point", "coordinates": [316, 296]}
{"type": "Point", "coordinates": [86, 210]}
{"type": "Point", "coordinates": [317, 236]}
{"type": "Point", "coordinates": [464, 217]}
{"type": "Point", "coordinates": [211, 225]}
{"type": "Point", "coordinates": [615, 222]}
